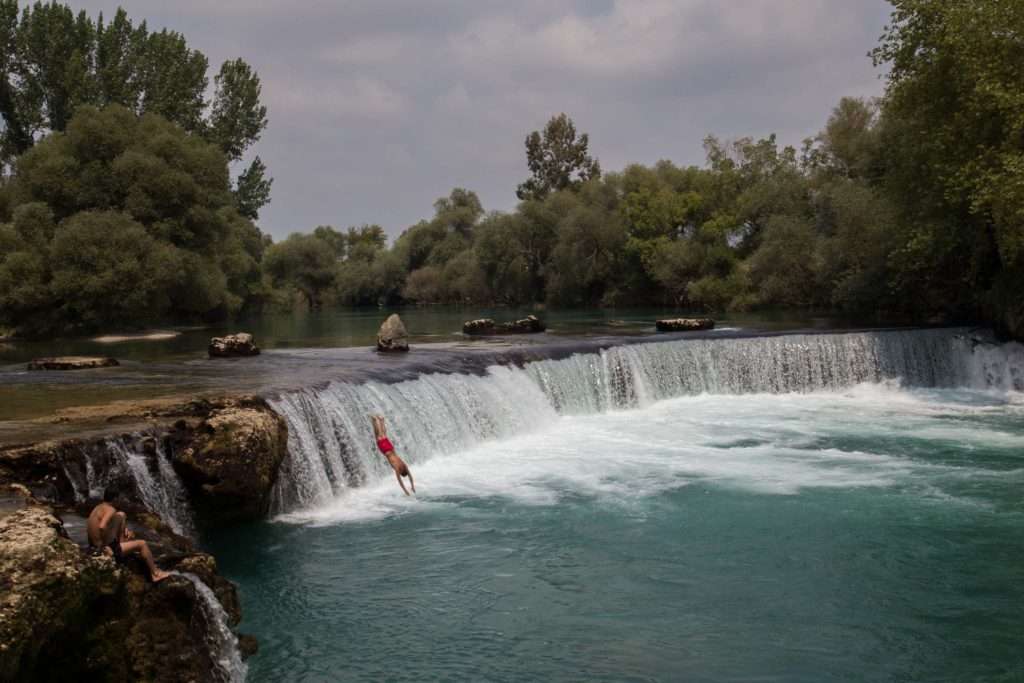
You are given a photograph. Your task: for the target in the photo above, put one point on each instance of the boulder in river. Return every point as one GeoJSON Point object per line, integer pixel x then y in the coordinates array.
{"type": "Point", "coordinates": [230, 461]}
{"type": "Point", "coordinates": [392, 335]}
{"type": "Point", "coordinates": [484, 326]}
{"type": "Point", "coordinates": [479, 326]}
{"type": "Point", "coordinates": [685, 324]}
{"type": "Point", "coordinates": [72, 363]}
{"type": "Point", "coordinates": [240, 344]}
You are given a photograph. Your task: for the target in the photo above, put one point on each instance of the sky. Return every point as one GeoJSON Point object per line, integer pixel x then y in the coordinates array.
{"type": "Point", "coordinates": [379, 107]}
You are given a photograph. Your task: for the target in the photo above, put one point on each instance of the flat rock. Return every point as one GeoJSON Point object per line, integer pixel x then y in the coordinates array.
{"type": "Point", "coordinates": [233, 345]}
{"type": "Point", "coordinates": [72, 363]}
{"type": "Point", "coordinates": [392, 335]}
{"type": "Point", "coordinates": [484, 326]}
{"type": "Point", "coordinates": [685, 324]}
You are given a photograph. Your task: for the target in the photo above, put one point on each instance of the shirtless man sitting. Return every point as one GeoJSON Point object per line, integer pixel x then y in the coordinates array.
{"type": "Point", "coordinates": [384, 444]}
{"type": "Point", "coordinates": [108, 532]}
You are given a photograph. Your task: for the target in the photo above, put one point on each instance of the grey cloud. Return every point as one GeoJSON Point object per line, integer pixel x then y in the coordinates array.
{"type": "Point", "coordinates": [378, 108]}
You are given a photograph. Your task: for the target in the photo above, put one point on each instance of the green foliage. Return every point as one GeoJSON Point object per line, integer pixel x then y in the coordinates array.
{"type": "Point", "coordinates": [237, 118]}
{"type": "Point", "coordinates": [303, 262]}
{"type": "Point", "coordinates": [121, 220]}
{"type": "Point", "coordinates": [252, 189]}
{"type": "Point", "coordinates": [558, 159]}
{"type": "Point", "coordinates": [55, 61]}
{"type": "Point", "coordinates": [953, 135]}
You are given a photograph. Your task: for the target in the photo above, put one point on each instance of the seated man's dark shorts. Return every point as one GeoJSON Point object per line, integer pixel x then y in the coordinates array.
{"type": "Point", "coordinates": [115, 548]}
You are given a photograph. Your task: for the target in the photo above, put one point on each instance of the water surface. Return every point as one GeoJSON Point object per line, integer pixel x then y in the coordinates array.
{"type": "Point", "coordinates": [871, 533]}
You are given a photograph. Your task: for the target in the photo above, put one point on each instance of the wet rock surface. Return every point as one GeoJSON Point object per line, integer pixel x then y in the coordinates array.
{"type": "Point", "coordinates": [233, 345]}
{"type": "Point", "coordinates": [230, 460]}
{"type": "Point", "coordinates": [685, 324]}
{"type": "Point", "coordinates": [68, 615]}
{"type": "Point", "coordinates": [72, 363]}
{"type": "Point", "coordinates": [392, 335]}
{"type": "Point", "coordinates": [486, 326]}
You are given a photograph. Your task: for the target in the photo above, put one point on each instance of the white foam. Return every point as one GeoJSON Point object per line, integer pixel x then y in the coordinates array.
{"type": "Point", "coordinates": [762, 443]}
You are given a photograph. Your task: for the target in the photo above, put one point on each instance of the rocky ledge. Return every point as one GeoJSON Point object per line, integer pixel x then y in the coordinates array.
{"type": "Point", "coordinates": [72, 363]}
{"type": "Point", "coordinates": [67, 615]}
{"type": "Point", "coordinates": [685, 324]}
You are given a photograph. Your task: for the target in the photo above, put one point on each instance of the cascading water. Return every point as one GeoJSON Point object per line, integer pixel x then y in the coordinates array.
{"type": "Point", "coordinates": [331, 447]}
{"type": "Point", "coordinates": [229, 667]}
{"type": "Point", "coordinates": [156, 485]}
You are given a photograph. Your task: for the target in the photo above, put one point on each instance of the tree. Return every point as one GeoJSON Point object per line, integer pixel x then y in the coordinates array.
{"type": "Point", "coordinates": [143, 180]}
{"type": "Point", "coordinates": [304, 262]}
{"type": "Point", "coordinates": [55, 61]}
{"type": "Point", "coordinates": [953, 122]}
{"type": "Point", "coordinates": [237, 118]}
{"type": "Point", "coordinates": [557, 159]}
{"type": "Point", "coordinates": [252, 189]}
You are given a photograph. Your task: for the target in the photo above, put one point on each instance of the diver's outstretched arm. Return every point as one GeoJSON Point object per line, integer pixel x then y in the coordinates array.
{"type": "Point", "coordinates": [412, 482]}
{"type": "Point", "coordinates": [399, 478]}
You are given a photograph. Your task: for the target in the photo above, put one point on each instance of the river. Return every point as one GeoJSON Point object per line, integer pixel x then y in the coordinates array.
{"type": "Point", "coordinates": [826, 507]}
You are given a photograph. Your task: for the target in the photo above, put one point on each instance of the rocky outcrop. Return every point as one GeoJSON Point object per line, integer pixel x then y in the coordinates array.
{"type": "Point", "coordinates": [685, 324]}
{"type": "Point", "coordinates": [72, 363]}
{"type": "Point", "coordinates": [230, 460]}
{"type": "Point", "coordinates": [233, 345]}
{"type": "Point", "coordinates": [487, 326]}
{"type": "Point", "coordinates": [67, 615]}
{"type": "Point", "coordinates": [392, 335]}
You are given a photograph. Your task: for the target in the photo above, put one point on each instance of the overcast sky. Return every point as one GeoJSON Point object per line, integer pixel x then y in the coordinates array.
{"type": "Point", "coordinates": [378, 107]}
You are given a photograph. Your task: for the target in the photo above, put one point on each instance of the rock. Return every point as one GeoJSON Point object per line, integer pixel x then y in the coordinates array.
{"type": "Point", "coordinates": [230, 461]}
{"type": "Point", "coordinates": [528, 325]}
{"type": "Point", "coordinates": [685, 324]}
{"type": "Point", "coordinates": [233, 345]}
{"type": "Point", "coordinates": [72, 363]}
{"type": "Point", "coordinates": [247, 645]}
{"type": "Point", "coordinates": [479, 326]}
{"type": "Point", "coordinates": [392, 335]}
{"type": "Point", "coordinates": [484, 326]}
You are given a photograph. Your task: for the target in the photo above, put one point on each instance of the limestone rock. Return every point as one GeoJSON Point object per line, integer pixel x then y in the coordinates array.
{"type": "Point", "coordinates": [484, 326]}
{"type": "Point", "coordinates": [230, 462]}
{"type": "Point", "coordinates": [685, 324]}
{"type": "Point", "coordinates": [479, 326]}
{"type": "Point", "coordinates": [240, 344]}
{"type": "Point", "coordinates": [392, 335]}
{"type": "Point", "coordinates": [72, 363]}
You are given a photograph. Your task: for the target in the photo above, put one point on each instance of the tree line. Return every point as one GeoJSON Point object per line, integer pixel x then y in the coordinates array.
{"type": "Point", "coordinates": [910, 204]}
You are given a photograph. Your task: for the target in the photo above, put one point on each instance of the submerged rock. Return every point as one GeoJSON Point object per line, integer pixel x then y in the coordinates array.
{"type": "Point", "coordinates": [484, 326]}
{"type": "Point", "coordinates": [72, 363]}
{"type": "Point", "coordinates": [233, 345]}
{"type": "Point", "coordinates": [685, 324]}
{"type": "Point", "coordinates": [392, 335]}
{"type": "Point", "coordinates": [229, 462]}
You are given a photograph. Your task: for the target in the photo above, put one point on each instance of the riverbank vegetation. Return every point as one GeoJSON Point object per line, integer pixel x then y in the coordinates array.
{"type": "Point", "coordinates": [910, 204]}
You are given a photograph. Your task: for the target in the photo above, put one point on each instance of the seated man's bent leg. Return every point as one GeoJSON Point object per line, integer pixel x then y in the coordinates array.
{"type": "Point", "coordinates": [142, 548]}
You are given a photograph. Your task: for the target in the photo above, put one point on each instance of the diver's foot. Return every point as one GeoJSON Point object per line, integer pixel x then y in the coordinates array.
{"type": "Point", "coordinates": [159, 575]}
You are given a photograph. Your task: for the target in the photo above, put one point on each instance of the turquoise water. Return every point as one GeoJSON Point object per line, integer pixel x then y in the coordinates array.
{"type": "Point", "coordinates": [873, 533]}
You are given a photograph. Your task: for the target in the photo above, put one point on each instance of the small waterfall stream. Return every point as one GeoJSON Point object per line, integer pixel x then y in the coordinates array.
{"type": "Point", "coordinates": [124, 461]}
{"type": "Point", "coordinates": [331, 446]}
{"type": "Point", "coordinates": [222, 642]}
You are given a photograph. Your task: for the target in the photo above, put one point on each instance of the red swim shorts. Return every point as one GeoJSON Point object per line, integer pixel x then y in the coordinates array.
{"type": "Point", "coordinates": [384, 445]}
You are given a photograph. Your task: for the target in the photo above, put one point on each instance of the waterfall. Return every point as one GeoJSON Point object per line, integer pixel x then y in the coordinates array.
{"type": "Point", "coordinates": [222, 642]}
{"type": "Point", "coordinates": [330, 440]}
{"type": "Point", "coordinates": [152, 479]}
